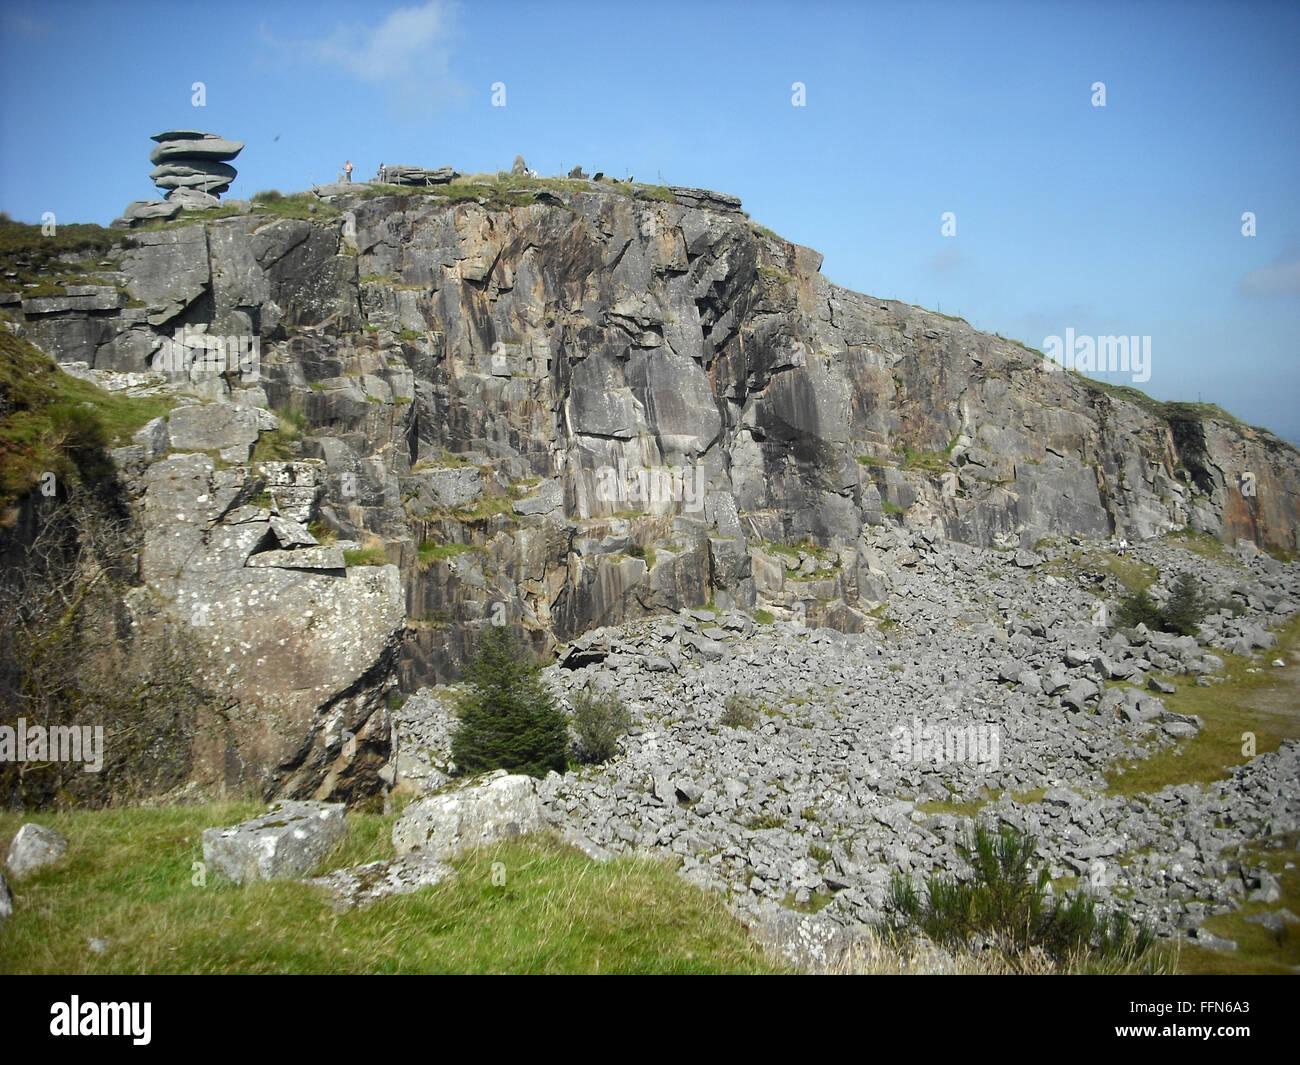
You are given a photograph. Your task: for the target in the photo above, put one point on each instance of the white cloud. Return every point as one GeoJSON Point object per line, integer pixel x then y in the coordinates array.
{"type": "Point", "coordinates": [1282, 278]}
{"type": "Point", "coordinates": [407, 52]}
{"type": "Point", "coordinates": [401, 46]}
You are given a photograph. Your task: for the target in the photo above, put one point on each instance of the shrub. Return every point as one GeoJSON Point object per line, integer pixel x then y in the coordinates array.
{"type": "Point", "coordinates": [1186, 608]}
{"type": "Point", "coordinates": [598, 720]}
{"type": "Point", "coordinates": [1005, 903]}
{"type": "Point", "coordinates": [738, 711]}
{"type": "Point", "coordinates": [1140, 609]}
{"type": "Point", "coordinates": [508, 717]}
{"type": "Point", "coordinates": [268, 196]}
{"type": "Point", "coordinates": [1182, 613]}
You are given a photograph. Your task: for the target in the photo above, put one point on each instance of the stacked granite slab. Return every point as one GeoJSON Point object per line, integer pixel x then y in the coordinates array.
{"type": "Point", "coordinates": [192, 167]}
{"type": "Point", "coordinates": [415, 175]}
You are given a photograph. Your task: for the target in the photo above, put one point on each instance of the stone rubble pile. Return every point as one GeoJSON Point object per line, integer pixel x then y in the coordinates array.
{"type": "Point", "coordinates": [990, 678]}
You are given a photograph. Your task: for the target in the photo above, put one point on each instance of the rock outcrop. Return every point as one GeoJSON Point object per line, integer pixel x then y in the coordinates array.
{"type": "Point", "coordinates": [417, 175]}
{"type": "Point", "coordinates": [194, 170]}
{"type": "Point", "coordinates": [576, 406]}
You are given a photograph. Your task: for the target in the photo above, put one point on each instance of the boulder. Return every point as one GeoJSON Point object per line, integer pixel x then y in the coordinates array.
{"type": "Point", "coordinates": [546, 498]}
{"type": "Point", "coordinates": [195, 199]}
{"type": "Point", "coordinates": [207, 146]}
{"type": "Point", "coordinates": [143, 210]}
{"type": "Point", "coordinates": [33, 847]}
{"type": "Point", "coordinates": [286, 842]}
{"type": "Point", "coordinates": [486, 810]}
{"type": "Point", "coordinates": [416, 175]}
{"type": "Point", "coordinates": [198, 174]}
{"type": "Point", "coordinates": [218, 427]}
{"type": "Point", "coordinates": [6, 898]}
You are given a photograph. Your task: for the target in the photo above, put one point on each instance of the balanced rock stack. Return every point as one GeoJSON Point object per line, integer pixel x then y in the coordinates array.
{"type": "Point", "coordinates": [193, 167]}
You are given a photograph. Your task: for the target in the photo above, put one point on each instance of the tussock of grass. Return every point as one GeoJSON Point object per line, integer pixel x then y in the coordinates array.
{"type": "Point", "coordinates": [127, 879]}
{"type": "Point", "coordinates": [429, 553]}
{"type": "Point", "coordinates": [365, 556]}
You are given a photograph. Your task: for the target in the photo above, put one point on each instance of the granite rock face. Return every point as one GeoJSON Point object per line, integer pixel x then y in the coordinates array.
{"type": "Point", "coordinates": [602, 403]}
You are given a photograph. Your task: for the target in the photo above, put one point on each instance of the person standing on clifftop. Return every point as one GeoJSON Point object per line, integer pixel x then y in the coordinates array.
{"type": "Point", "coordinates": [347, 171]}
{"type": "Point", "coordinates": [383, 174]}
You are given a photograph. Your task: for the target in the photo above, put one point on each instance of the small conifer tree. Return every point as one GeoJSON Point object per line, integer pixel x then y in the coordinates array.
{"type": "Point", "coordinates": [508, 717]}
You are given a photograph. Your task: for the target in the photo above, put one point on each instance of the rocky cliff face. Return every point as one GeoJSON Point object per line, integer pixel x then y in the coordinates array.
{"type": "Point", "coordinates": [572, 407]}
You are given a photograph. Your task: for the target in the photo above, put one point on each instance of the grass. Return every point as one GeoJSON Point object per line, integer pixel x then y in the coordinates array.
{"type": "Point", "coordinates": [1205, 545]}
{"type": "Point", "coordinates": [57, 423]}
{"type": "Point", "coordinates": [1263, 703]}
{"type": "Point", "coordinates": [35, 258]}
{"type": "Point", "coordinates": [429, 553]}
{"type": "Point", "coordinates": [281, 443]}
{"type": "Point", "coordinates": [1135, 576]}
{"type": "Point", "coordinates": [127, 878]}
{"type": "Point", "coordinates": [365, 556]}
{"type": "Point", "coordinates": [891, 508]}
{"type": "Point", "coordinates": [935, 461]}
{"type": "Point", "coordinates": [646, 554]}
{"type": "Point", "coordinates": [972, 807]}
{"type": "Point", "coordinates": [1258, 949]}
{"type": "Point", "coordinates": [300, 205]}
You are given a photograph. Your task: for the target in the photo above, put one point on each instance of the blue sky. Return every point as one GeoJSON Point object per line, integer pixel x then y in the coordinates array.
{"type": "Point", "coordinates": [1124, 219]}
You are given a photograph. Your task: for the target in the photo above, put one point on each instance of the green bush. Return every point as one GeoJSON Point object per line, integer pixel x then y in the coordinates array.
{"type": "Point", "coordinates": [1006, 903]}
{"type": "Point", "coordinates": [1140, 609]}
{"type": "Point", "coordinates": [1182, 613]}
{"type": "Point", "coordinates": [508, 717]}
{"type": "Point", "coordinates": [598, 720]}
{"type": "Point", "coordinates": [1186, 608]}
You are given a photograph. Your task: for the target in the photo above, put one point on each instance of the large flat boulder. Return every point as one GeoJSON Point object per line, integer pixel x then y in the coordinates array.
{"type": "Point", "coordinates": [286, 842]}
{"type": "Point", "coordinates": [224, 427]}
{"type": "Point", "coordinates": [205, 147]}
{"type": "Point", "coordinates": [361, 885]}
{"type": "Point", "coordinates": [486, 810]}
